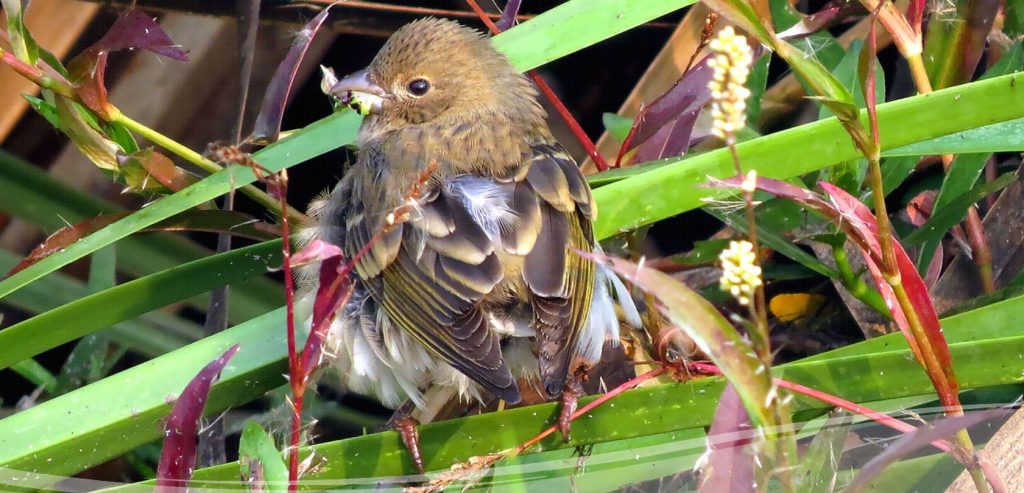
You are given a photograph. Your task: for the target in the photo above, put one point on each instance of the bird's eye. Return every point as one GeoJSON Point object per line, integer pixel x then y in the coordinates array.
{"type": "Point", "coordinates": [419, 87]}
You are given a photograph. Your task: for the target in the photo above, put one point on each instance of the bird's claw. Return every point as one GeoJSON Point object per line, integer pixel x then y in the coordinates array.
{"type": "Point", "coordinates": [407, 428]}
{"type": "Point", "coordinates": [570, 397]}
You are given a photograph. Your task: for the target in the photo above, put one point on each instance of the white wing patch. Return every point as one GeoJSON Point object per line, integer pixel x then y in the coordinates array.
{"type": "Point", "coordinates": [487, 202]}
{"type": "Point", "coordinates": [603, 321]}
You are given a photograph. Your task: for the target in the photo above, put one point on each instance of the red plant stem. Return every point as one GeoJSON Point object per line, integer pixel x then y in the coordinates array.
{"type": "Point", "coordinates": [36, 75]}
{"type": "Point", "coordinates": [880, 418]}
{"type": "Point", "coordinates": [294, 370]}
{"type": "Point", "coordinates": [545, 89]}
{"type": "Point", "coordinates": [607, 396]}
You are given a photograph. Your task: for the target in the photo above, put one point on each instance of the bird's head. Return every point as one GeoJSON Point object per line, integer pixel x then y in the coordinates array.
{"type": "Point", "coordinates": [435, 71]}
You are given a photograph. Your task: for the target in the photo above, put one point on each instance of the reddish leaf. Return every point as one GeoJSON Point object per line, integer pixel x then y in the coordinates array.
{"type": "Point", "coordinates": [335, 288]}
{"type": "Point", "coordinates": [730, 462]}
{"type": "Point", "coordinates": [331, 294]}
{"type": "Point", "coordinates": [920, 207]}
{"type": "Point", "coordinates": [137, 30]}
{"type": "Point", "coordinates": [87, 72]}
{"type": "Point", "coordinates": [178, 457]}
{"type": "Point", "coordinates": [785, 190]}
{"type": "Point", "coordinates": [151, 171]}
{"type": "Point", "coordinates": [919, 438]}
{"type": "Point", "coordinates": [315, 251]}
{"type": "Point", "coordinates": [268, 123]}
{"type": "Point", "coordinates": [663, 129]}
{"type": "Point", "coordinates": [858, 216]}
{"type": "Point", "coordinates": [868, 81]}
{"type": "Point", "coordinates": [915, 14]}
{"type": "Point", "coordinates": [327, 294]}
{"type": "Point", "coordinates": [860, 226]}
{"type": "Point", "coordinates": [829, 15]}
{"type": "Point", "coordinates": [64, 237]}
{"type": "Point", "coordinates": [133, 30]}
{"type": "Point", "coordinates": [211, 221]}
{"type": "Point", "coordinates": [931, 275]}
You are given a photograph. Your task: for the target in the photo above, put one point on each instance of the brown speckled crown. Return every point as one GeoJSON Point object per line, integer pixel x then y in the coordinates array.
{"type": "Point", "coordinates": [470, 79]}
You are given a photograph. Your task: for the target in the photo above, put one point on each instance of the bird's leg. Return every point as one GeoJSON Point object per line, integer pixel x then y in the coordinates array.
{"type": "Point", "coordinates": [570, 395]}
{"type": "Point", "coordinates": [403, 422]}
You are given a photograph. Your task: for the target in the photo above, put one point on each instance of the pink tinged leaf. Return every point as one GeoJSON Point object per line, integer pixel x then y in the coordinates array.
{"type": "Point", "coordinates": [831, 14]}
{"type": "Point", "coordinates": [913, 284]}
{"type": "Point", "coordinates": [980, 18]}
{"type": "Point", "coordinates": [915, 14]}
{"type": "Point", "coordinates": [664, 128]}
{"type": "Point", "coordinates": [133, 30]}
{"type": "Point", "coordinates": [730, 459]}
{"type": "Point", "coordinates": [920, 207]}
{"type": "Point", "coordinates": [335, 289]}
{"type": "Point", "coordinates": [868, 81]}
{"type": "Point", "coordinates": [917, 439]}
{"type": "Point", "coordinates": [859, 224]}
{"type": "Point", "coordinates": [781, 189]}
{"type": "Point", "coordinates": [268, 124]}
{"type": "Point", "coordinates": [148, 170]}
{"type": "Point", "coordinates": [178, 457]}
{"type": "Point", "coordinates": [315, 251]}
{"type": "Point", "coordinates": [327, 294]}
{"type": "Point", "coordinates": [87, 71]}
{"type": "Point", "coordinates": [957, 39]}
{"type": "Point", "coordinates": [137, 30]}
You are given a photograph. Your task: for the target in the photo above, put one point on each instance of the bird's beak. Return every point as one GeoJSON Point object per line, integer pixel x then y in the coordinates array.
{"type": "Point", "coordinates": [359, 91]}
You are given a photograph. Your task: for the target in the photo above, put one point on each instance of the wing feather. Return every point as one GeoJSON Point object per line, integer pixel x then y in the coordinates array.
{"type": "Point", "coordinates": [433, 272]}
{"type": "Point", "coordinates": [432, 275]}
{"type": "Point", "coordinates": [562, 282]}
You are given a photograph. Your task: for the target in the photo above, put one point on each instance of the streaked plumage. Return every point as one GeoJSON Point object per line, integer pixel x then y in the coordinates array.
{"type": "Point", "coordinates": [481, 285]}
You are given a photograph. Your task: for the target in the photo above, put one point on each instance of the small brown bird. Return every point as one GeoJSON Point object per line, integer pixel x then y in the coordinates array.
{"type": "Point", "coordinates": [482, 284]}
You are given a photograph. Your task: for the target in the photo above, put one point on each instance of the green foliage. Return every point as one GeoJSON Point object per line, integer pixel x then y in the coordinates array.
{"type": "Point", "coordinates": [260, 461]}
{"type": "Point", "coordinates": [112, 415]}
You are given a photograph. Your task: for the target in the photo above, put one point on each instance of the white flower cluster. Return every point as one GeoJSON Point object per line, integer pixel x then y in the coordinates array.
{"type": "Point", "coordinates": [740, 273]}
{"type": "Point", "coordinates": [731, 65]}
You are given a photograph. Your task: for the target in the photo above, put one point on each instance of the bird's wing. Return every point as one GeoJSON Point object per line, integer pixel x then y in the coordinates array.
{"type": "Point", "coordinates": [561, 281]}
{"type": "Point", "coordinates": [431, 273]}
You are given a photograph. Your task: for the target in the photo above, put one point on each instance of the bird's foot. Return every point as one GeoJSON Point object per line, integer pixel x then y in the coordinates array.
{"type": "Point", "coordinates": [406, 426]}
{"type": "Point", "coordinates": [570, 396]}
